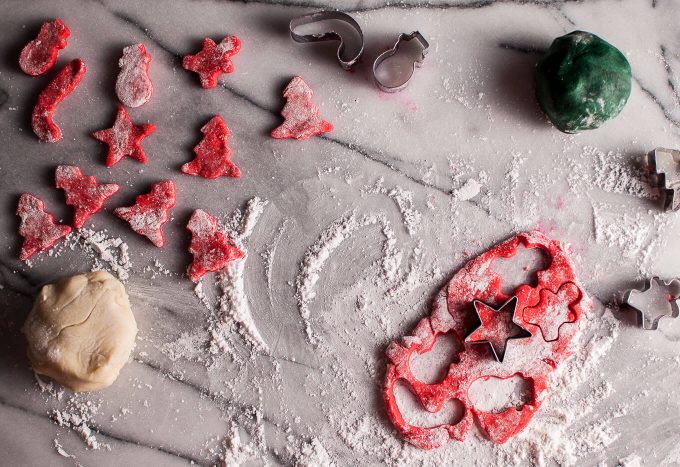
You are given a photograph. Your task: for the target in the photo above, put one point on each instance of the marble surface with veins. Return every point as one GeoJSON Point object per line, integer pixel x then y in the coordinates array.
{"type": "Point", "coordinates": [468, 116]}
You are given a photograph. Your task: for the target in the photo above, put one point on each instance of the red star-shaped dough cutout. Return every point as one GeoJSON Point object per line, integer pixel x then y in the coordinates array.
{"type": "Point", "coordinates": [300, 113]}
{"type": "Point", "coordinates": [213, 60]}
{"type": "Point", "coordinates": [124, 138]}
{"type": "Point", "coordinates": [553, 310]}
{"type": "Point", "coordinates": [84, 193]}
{"type": "Point", "coordinates": [213, 153]}
{"type": "Point", "coordinates": [37, 226]}
{"type": "Point", "coordinates": [150, 211]}
{"type": "Point", "coordinates": [497, 327]}
{"type": "Point", "coordinates": [211, 246]}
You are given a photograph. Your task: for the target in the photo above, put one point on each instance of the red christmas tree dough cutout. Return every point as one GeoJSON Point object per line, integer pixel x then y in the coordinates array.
{"type": "Point", "coordinates": [150, 211]}
{"type": "Point", "coordinates": [84, 193]}
{"type": "Point", "coordinates": [124, 138]}
{"type": "Point", "coordinates": [213, 153]}
{"type": "Point", "coordinates": [61, 86]}
{"type": "Point", "coordinates": [37, 226]}
{"type": "Point", "coordinates": [40, 55]}
{"type": "Point", "coordinates": [301, 114]}
{"type": "Point", "coordinates": [211, 247]}
{"type": "Point", "coordinates": [213, 60]}
{"type": "Point", "coordinates": [133, 86]}
{"type": "Point", "coordinates": [532, 357]}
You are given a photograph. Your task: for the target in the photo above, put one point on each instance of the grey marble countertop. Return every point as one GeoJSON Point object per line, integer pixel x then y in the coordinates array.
{"type": "Point", "coordinates": [405, 159]}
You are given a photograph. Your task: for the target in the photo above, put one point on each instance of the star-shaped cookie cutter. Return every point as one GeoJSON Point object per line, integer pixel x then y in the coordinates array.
{"type": "Point", "coordinates": [482, 308]}
{"type": "Point", "coordinates": [644, 302]}
{"type": "Point", "coordinates": [329, 35]}
{"type": "Point", "coordinates": [665, 164]}
{"type": "Point", "coordinates": [425, 46]}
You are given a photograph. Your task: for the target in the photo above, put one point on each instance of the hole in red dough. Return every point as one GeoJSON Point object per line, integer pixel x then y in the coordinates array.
{"type": "Point", "coordinates": [413, 412]}
{"type": "Point", "coordinates": [521, 268]}
{"type": "Point", "coordinates": [431, 367]}
{"type": "Point", "coordinates": [494, 395]}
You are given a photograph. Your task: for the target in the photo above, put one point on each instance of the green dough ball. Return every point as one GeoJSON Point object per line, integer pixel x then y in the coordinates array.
{"type": "Point", "coordinates": [582, 81]}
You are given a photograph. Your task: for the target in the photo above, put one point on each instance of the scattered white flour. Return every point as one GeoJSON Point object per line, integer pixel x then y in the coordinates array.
{"type": "Point", "coordinates": [78, 416]}
{"type": "Point", "coordinates": [468, 191]}
{"type": "Point", "coordinates": [319, 253]}
{"type": "Point", "coordinates": [107, 252]}
{"type": "Point", "coordinates": [404, 201]}
{"type": "Point", "coordinates": [234, 302]}
{"type": "Point", "coordinates": [60, 450]}
{"type": "Point", "coordinates": [314, 454]}
{"type": "Point", "coordinates": [236, 453]}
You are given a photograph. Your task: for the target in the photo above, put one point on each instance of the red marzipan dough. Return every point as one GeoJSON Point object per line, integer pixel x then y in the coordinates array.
{"type": "Point", "coordinates": [40, 55]}
{"type": "Point", "coordinates": [84, 193]}
{"type": "Point", "coordinates": [213, 153]}
{"type": "Point", "coordinates": [150, 211]}
{"type": "Point", "coordinates": [531, 358]}
{"type": "Point", "coordinates": [124, 138]}
{"type": "Point", "coordinates": [213, 60]}
{"type": "Point", "coordinates": [61, 86]}
{"type": "Point", "coordinates": [211, 246]}
{"type": "Point", "coordinates": [133, 86]}
{"type": "Point", "coordinates": [37, 226]}
{"type": "Point", "coordinates": [300, 113]}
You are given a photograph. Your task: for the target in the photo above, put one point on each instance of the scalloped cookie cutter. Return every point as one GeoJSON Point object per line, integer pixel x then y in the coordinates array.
{"type": "Point", "coordinates": [415, 35]}
{"type": "Point", "coordinates": [328, 35]}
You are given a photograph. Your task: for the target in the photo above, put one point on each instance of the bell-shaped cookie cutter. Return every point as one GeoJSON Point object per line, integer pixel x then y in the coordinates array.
{"type": "Point", "coordinates": [329, 35]}
{"type": "Point", "coordinates": [415, 35]}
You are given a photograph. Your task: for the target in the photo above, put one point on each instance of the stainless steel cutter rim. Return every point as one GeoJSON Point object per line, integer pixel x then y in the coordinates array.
{"type": "Point", "coordinates": [403, 37]}
{"type": "Point", "coordinates": [654, 324]}
{"type": "Point", "coordinates": [662, 182]}
{"type": "Point", "coordinates": [501, 357]}
{"type": "Point", "coordinates": [329, 35]}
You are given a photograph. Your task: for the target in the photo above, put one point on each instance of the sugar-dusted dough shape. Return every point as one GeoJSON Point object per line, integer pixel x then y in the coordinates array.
{"type": "Point", "coordinates": [81, 331]}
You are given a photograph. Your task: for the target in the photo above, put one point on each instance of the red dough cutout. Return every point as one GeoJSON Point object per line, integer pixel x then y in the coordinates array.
{"type": "Point", "coordinates": [84, 193]}
{"type": "Point", "coordinates": [213, 60]}
{"type": "Point", "coordinates": [37, 226]}
{"type": "Point", "coordinates": [61, 86]}
{"type": "Point", "coordinates": [124, 138]}
{"type": "Point", "coordinates": [212, 153]}
{"type": "Point", "coordinates": [133, 86]}
{"type": "Point", "coordinates": [301, 114]}
{"type": "Point", "coordinates": [533, 358]}
{"type": "Point", "coordinates": [211, 247]}
{"type": "Point", "coordinates": [150, 211]}
{"type": "Point", "coordinates": [40, 55]}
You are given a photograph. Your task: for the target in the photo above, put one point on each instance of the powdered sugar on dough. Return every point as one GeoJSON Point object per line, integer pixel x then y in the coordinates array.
{"type": "Point", "coordinates": [40, 55]}
{"type": "Point", "coordinates": [56, 91]}
{"type": "Point", "coordinates": [84, 193]}
{"type": "Point", "coordinates": [37, 226]}
{"type": "Point", "coordinates": [213, 60]}
{"type": "Point", "coordinates": [532, 357]}
{"type": "Point", "coordinates": [133, 86]}
{"type": "Point", "coordinates": [150, 211]}
{"type": "Point", "coordinates": [300, 113]}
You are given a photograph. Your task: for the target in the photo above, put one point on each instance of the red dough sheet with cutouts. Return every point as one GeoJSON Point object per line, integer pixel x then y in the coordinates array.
{"type": "Point", "coordinates": [551, 308]}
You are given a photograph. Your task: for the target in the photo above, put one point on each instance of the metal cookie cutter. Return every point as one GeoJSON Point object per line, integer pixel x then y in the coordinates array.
{"type": "Point", "coordinates": [656, 300]}
{"type": "Point", "coordinates": [415, 35]}
{"type": "Point", "coordinates": [484, 333]}
{"type": "Point", "coordinates": [329, 35]}
{"type": "Point", "coordinates": [665, 164]}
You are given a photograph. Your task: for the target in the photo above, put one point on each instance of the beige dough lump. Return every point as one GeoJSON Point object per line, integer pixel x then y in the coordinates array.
{"type": "Point", "coordinates": [81, 331]}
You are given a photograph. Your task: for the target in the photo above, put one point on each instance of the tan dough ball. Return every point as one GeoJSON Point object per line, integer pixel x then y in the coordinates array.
{"type": "Point", "coordinates": [81, 331]}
